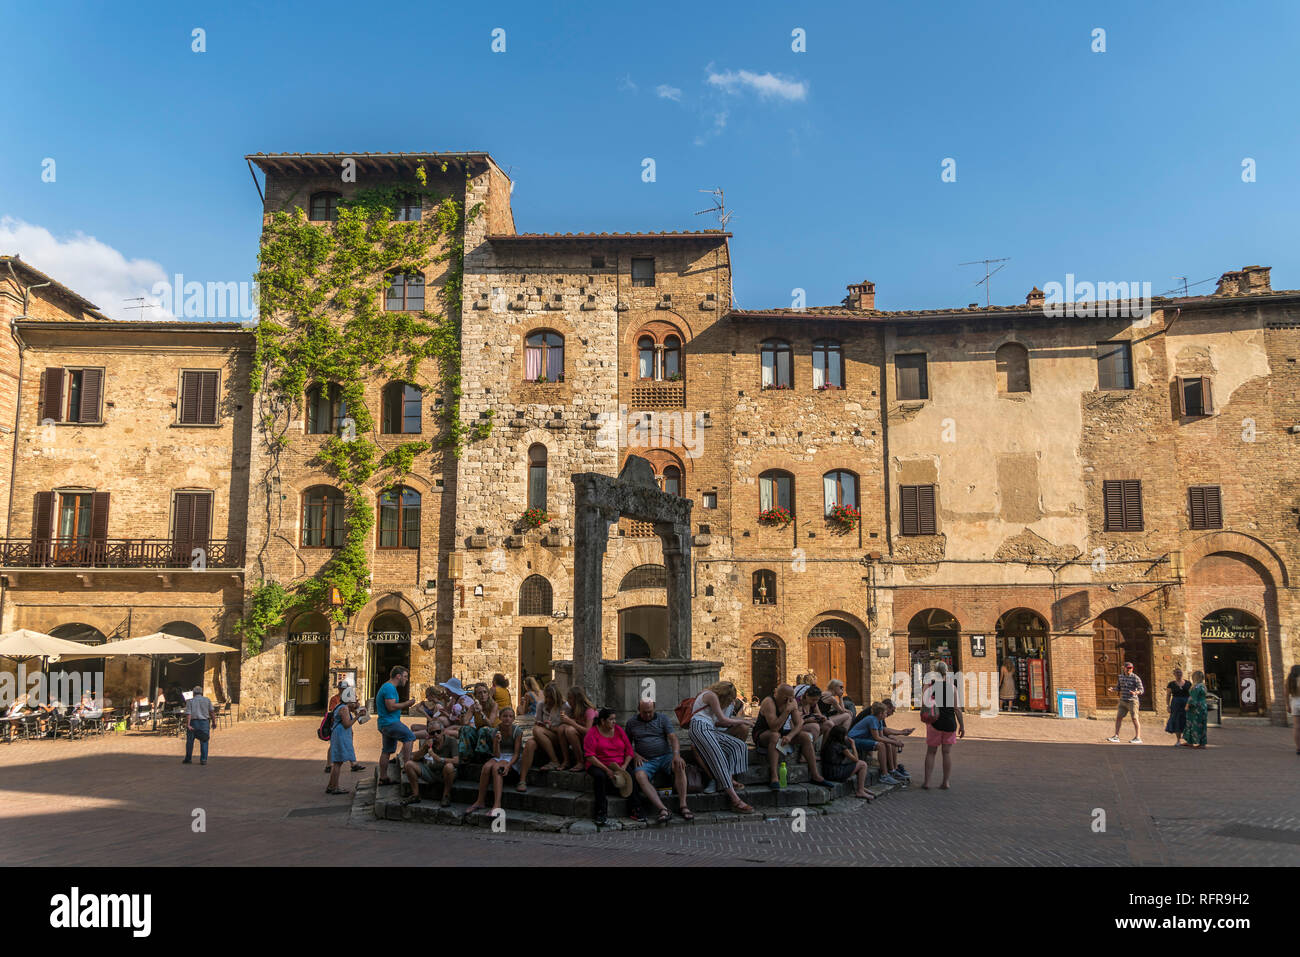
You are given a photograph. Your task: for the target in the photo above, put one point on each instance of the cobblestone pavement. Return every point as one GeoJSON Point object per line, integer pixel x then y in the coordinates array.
{"type": "Point", "coordinates": [1025, 791]}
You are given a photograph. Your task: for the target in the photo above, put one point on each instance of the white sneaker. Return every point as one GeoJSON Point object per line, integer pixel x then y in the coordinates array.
{"type": "Point", "coordinates": [1136, 741]}
{"type": "Point", "coordinates": [1114, 737]}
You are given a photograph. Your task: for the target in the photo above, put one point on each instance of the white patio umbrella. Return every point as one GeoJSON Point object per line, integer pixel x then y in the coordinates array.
{"type": "Point", "coordinates": [25, 643]}
{"type": "Point", "coordinates": [155, 646]}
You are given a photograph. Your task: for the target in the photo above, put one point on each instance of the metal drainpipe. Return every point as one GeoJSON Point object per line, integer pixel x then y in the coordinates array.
{"type": "Point", "coordinates": [18, 411]}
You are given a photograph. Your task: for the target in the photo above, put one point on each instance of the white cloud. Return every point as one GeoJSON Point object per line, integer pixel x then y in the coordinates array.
{"type": "Point", "coordinates": [766, 85]}
{"type": "Point", "coordinates": [88, 267]}
{"type": "Point", "coordinates": [719, 124]}
{"type": "Point", "coordinates": [667, 92]}
{"type": "Point", "coordinates": [625, 85]}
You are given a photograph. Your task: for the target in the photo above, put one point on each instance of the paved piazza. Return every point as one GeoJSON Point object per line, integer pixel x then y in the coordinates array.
{"type": "Point", "coordinates": [1024, 792]}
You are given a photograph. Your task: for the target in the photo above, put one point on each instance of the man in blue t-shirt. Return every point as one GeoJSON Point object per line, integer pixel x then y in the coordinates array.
{"type": "Point", "coordinates": [388, 718]}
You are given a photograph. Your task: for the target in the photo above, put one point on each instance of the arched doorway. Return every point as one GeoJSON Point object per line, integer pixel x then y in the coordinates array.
{"type": "Point", "coordinates": [1120, 635]}
{"type": "Point", "coordinates": [835, 652]}
{"type": "Point", "coordinates": [1022, 641]}
{"type": "Point", "coordinates": [388, 644]}
{"type": "Point", "coordinates": [69, 680]}
{"type": "Point", "coordinates": [182, 673]}
{"type": "Point", "coordinates": [932, 636]}
{"type": "Point", "coordinates": [643, 631]}
{"type": "Point", "coordinates": [1233, 661]}
{"type": "Point", "coordinates": [308, 663]}
{"type": "Point", "coordinates": [765, 665]}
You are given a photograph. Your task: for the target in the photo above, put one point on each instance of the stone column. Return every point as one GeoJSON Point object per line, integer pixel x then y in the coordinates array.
{"type": "Point", "coordinates": [590, 539]}
{"type": "Point", "coordinates": [676, 539]}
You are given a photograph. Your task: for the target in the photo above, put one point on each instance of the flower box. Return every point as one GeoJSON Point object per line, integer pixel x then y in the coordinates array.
{"type": "Point", "coordinates": [844, 517]}
{"type": "Point", "coordinates": [533, 518]}
{"type": "Point", "coordinates": [780, 515]}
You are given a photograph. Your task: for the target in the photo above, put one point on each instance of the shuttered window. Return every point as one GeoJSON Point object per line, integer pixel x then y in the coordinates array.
{"type": "Point", "coordinates": [1205, 506]}
{"type": "Point", "coordinates": [1195, 396]}
{"type": "Point", "coordinates": [1122, 502]}
{"type": "Point", "coordinates": [71, 395]}
{"type": "Point", "coordinates": [912, 381]}
{"type": "Point", "coordinates": [1114, 365]}
{"type": "Point", "coordinates": [916, 503]}
{"type": "Point", "coordinates": [198, 405]}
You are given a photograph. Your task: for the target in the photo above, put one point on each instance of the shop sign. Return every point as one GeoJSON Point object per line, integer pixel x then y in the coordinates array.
{"type": "Point", "coordinates": [308, 638]}
{"type": "Point", "coordinates": [389, 637]}
{"type": "Point", "coordinates": [977, 646]}
{"type": "Point", "coordinates": [1037, 685]}
{"type": "Point", "coordinates": [1227, 626]}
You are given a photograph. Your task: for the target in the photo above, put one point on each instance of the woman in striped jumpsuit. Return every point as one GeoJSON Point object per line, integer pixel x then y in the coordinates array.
{"type": "Point", "coordinates": [725, 755]}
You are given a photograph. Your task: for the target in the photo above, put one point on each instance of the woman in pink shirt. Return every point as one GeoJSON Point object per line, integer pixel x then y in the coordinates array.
{"type": "Point", "coordinates": [608, 752]}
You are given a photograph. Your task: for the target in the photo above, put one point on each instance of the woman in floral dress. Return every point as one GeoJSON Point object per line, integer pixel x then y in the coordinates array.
{"type": "Point", "coordinates": [1194, 732]}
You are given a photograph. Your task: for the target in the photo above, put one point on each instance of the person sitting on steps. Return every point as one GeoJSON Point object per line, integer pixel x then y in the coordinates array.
{"type": "Point", "coordinates": [438, 758]}
{"type": "Point", "coordinates": [840, 762]}
{"type": "Point", "coordinates": [778, 730]}
{"type": "Point", "coordinates": [547, 735]}
{"type": "Point", "coordinates": [608, 754]}
{"type": "Point", "coordinates": [656, 749]}
{"type": "Point", "coordinates": [503, 766]}
{"type": "Point", "coordinates": [576, 723]}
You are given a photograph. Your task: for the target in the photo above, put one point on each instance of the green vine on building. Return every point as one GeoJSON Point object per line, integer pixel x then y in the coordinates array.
{"type": "Point", "coordinates": [322, 322]}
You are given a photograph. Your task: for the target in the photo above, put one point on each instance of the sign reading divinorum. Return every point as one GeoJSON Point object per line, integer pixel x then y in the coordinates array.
{"type": "Point", "coordinates": [1229, 625]}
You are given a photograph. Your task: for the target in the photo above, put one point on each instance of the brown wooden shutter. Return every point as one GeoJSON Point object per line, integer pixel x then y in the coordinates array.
{"type": "Point", "coordinates": [43, 517]}
{"type": "Point", "coordinates": [99, 516]}
{"type": "Point", "coordinates": [208, 398]}
{"type": "Point", "coordinates": [1132, 505]}
{"type": "Point", "coordinates": [1196, 506]}
{"type": "Point", "coordinates": [202, 519]}
{"type": "Point", "coordinates": [1207, 397]}
{"type": "Point", "coordinates": [182, 518]}
{"type": "Point", "coordinates": [1112, 494]}
{"type": "Point", "coordinates": [925, 509]}
{"type": "Point", "coordinates": [908, 506]}
{"type": "Point", "coordinates": [189, 398]}
{"type": "Point", "coordinates": [1213, 507]}
{"type": "Point", "coordinates": [92, 382]}
{"type": "Point", "coordinates": [52, 395]}
{"type": "Point", "coordinates": [1181, 389]}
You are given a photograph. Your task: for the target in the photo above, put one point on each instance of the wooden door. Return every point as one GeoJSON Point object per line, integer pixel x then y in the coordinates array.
{"type": "Point", "coordinates": [1107, 657]}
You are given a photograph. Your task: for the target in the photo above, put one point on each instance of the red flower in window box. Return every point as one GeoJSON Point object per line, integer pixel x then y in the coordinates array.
{"type": "Point", "coordinates": [780, 515]}
{"type": "Point", "coordinates": [534, 518]}
{"type": "Point", "coordinates": [828, 387]}
{"type": "Point", "coordinates": [781, 387]}
{"type": "Point", "coordinates": [844, 517]}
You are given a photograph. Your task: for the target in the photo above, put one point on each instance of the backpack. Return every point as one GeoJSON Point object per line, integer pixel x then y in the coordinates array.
{"type": "Point", "coordinates": [929, 713]}
{"type": "Point", "coordinates": [684, 711]}
{"type": "Point", "coordinates": [326, 726]}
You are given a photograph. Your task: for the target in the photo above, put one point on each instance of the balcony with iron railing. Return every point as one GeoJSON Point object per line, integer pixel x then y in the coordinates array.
{"type": "Point", "coordinates": [121, 553]}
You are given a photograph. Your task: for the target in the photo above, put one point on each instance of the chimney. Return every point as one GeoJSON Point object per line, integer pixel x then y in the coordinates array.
{"type": "Point", "coordinates": [1035, 297]}
{"type": "Point", "coordinates": [1245, 281]}
{"type": "Point", "coordinates": [862, 295]}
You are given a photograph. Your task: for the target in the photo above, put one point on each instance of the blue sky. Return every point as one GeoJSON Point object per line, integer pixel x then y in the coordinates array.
{"type": "Point", "coordinates": [1122, 165]}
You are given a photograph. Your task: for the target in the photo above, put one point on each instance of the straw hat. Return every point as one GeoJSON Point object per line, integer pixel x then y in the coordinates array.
{"type": "Point", "coordinates": [622, 781]}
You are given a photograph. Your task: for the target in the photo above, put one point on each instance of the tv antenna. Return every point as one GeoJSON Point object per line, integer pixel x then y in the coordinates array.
{"type": "Point", "coordinates": [142, 304]}
{"type": "Point", "coordinates": [719, 207]}
{"type": "Point", "coordinates": [987, 273]}
{"type": "Point", "coordinates": [1183, 280]}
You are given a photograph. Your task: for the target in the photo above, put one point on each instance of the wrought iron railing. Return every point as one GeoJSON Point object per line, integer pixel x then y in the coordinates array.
{"type": "Point", "coordinates": [120, 553]}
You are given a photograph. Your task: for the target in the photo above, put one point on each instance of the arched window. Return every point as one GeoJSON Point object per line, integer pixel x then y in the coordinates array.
{"type": "Point", "coordinates": [322, 517]}
{"type": "Point", "coordinates": [645, 352]}
{"type": "Point", "coordinates": [544, 357]}
{"type": "Point", "coordinates": [405, 292]}
{"type": "Point", "coordinates": [644, 576]}
{"type": "Point", "coordinates": [672, 358]}
{"type": "Point", "coordinates": [1012, 362]}
{"type": "Point", "coordinates": [402, 409]}
{"type": "Point", "coordinates": [764, 587]}
{"type": "Point", "coordinates": [324, 206]}
{"type": "Point", "coordinates": [326, 409]}
{"type": "Point", "coordinates": [537, 476]}
{"type": "Point", "coordinates": [775, 356]}
{"type": "Point", "coordinates": [672, 480]}
{"type": "Point", "coordinates": [776, 490]}
{"type": "Point", "coordinates": [828, 364]}
{"type": "Point", "coordinates": [399, 518]}
{"type": "Point", "coordinates": [840, 488]}
{"type": "Point", "coordinates": [535, 596]}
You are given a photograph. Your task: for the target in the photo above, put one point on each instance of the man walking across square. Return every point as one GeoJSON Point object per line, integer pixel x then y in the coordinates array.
{"type": "Point", "coordinates": [1130, 689]}
{"type": "Point", "coordinates": [198, 724]}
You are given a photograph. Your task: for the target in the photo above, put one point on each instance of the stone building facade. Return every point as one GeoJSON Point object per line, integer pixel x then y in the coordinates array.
{"type": "Point", "coordinates": [1057, 489]}
{"type": "Point", "coordinates": [119, 474]}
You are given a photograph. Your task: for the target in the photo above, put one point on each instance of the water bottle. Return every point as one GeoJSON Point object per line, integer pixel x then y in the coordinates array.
{"type": "Point", "coordinates": [783, 775]}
